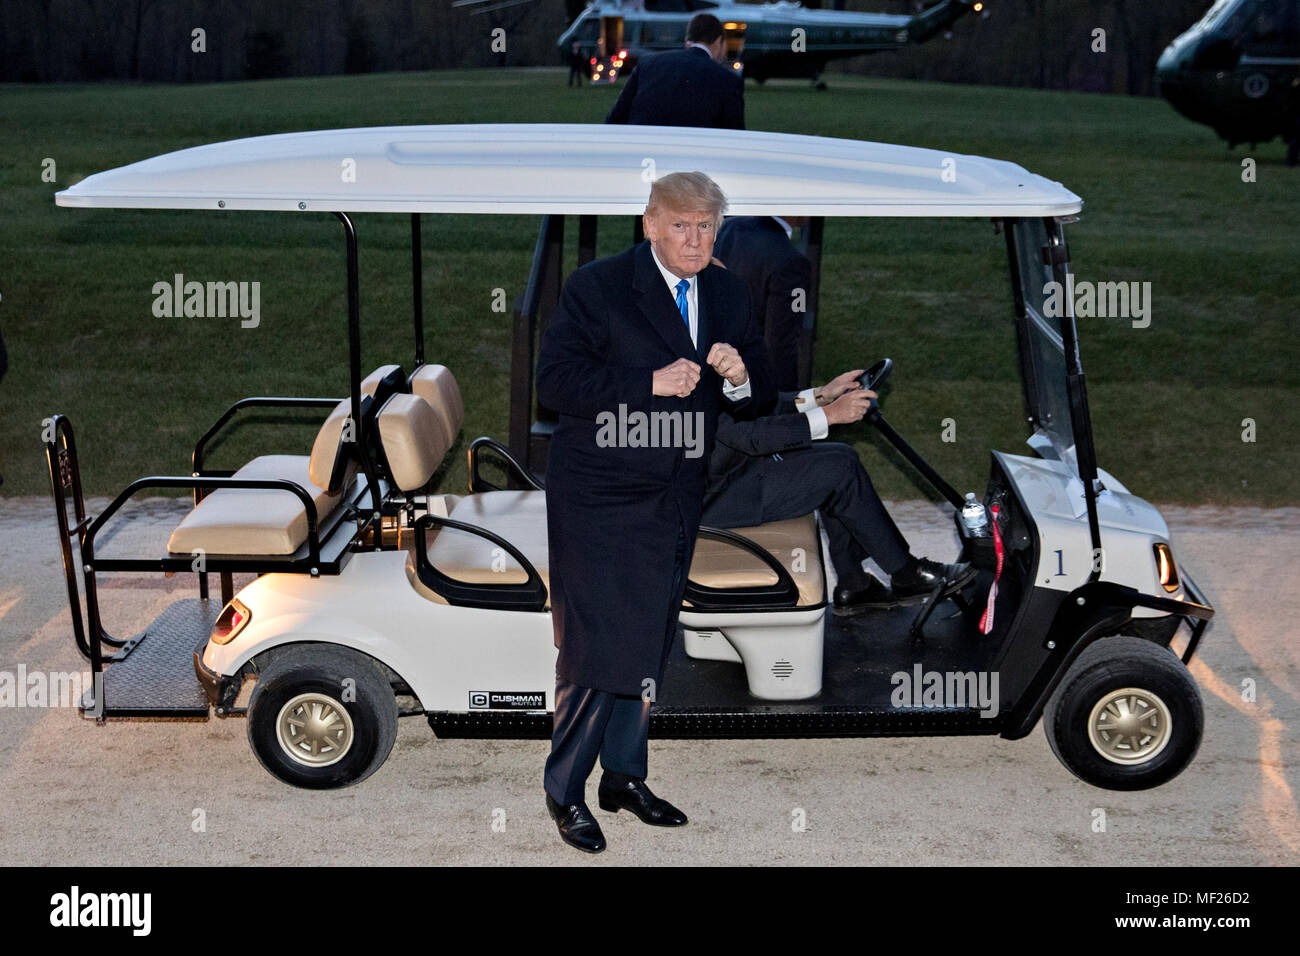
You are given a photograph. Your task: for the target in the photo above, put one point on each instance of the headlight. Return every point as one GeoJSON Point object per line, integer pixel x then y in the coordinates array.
{"type": "Point", "coordinates": [233, 619]}
{"type": "Point", "coordinates": [1165, 567]}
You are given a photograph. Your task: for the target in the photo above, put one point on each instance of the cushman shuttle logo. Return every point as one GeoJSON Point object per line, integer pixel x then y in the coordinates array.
{"type": "Point", "coordinates": [74, 909]}
{"type": "Point", "coordinates": [507, 700]}
{"type": "Point", "coordinates": [651, 430]}
{"type": "Point", "coordinates": [946, 689]}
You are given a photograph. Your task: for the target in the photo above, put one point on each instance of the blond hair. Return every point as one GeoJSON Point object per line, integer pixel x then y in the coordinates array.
{"type": "Point", "coordinates": [686, 192]}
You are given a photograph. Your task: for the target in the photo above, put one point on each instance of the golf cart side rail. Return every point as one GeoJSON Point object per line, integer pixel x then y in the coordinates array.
{"type": "Point", "coordinates": [531, 595]}
{"type": "Point", "coordinates": [515, 468]}
{"type": "Point", "coordinates": [784, 593]}
{"type": "Point", "coordinates": [201, 446]}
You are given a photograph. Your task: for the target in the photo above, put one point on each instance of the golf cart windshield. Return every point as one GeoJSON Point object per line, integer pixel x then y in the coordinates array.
{"type": "Point", "coordinates": [1042, 348]}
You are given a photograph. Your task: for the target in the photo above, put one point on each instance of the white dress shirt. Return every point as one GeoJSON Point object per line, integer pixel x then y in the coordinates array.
{"type": "Point", "coordinates": [806, 402]}
{"type": "Point", "coordinates": [734, 392]}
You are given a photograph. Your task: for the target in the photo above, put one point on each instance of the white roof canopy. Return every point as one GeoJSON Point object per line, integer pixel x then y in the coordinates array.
{"type": "Point", "coordinates": [584, 169]}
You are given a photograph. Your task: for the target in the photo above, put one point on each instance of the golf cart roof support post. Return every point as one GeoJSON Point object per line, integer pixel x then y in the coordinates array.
{"type": "Point", "coordinates": [417, 287]}
{"type": "Point", "coordinates": [544, 283]}
{"type": "Point", "coordinates": [1076, 388]}
{"type": "Point", "coordinates": [586, 240]}
{"type": "Point", "coordinates": [1028, 377]}
{"type": "Point", "coordinates": [354, 369]}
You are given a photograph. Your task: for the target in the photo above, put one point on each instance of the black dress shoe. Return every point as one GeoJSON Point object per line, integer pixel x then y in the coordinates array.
{"type": "Point", "coordinates": [863, 595]}
{"type": "Point", "coordinates": [913, 584]}
{"type": "Point", "coordinates": [576, 825]}
{"type": "Point", "coordinates": [618, 792]}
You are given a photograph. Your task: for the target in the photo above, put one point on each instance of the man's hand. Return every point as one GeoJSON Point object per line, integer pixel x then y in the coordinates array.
{"type": "Point", "coordinates": [727, 362]}
{"type": "Point", "coordinates": [850, 406]}
{"type": "Point", "coordinates": [838, 386]}
{"type": "Point", "coordinates": [678, 379]}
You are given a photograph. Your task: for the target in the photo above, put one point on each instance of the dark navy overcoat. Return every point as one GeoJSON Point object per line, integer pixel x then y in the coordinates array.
{"type": "Point", "coordinates": [614, 511]}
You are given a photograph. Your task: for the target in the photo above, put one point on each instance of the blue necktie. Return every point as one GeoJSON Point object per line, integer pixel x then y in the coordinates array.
{"type": "Point", "coordinates": [682, 306]}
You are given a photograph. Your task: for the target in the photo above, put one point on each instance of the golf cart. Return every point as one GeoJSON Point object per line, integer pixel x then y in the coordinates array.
{"type": "Point", "coordinates": [376, 597]}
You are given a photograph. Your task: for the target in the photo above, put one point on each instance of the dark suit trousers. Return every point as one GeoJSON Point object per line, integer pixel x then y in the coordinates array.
{"type": "Point", "coordinates": [829, 476]}
{"type": "Point", "coordinates": [590, 723]}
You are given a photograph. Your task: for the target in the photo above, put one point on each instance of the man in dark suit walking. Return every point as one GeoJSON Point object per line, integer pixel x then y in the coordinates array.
{"type": "Point", "coordinates": [759, 251]}
{"type": "Point", "coordinates": [637, 361]}
{"type": "Point", "coordinates": [776, 467]}
{"type": "Point", "coordinates": [688, 87]}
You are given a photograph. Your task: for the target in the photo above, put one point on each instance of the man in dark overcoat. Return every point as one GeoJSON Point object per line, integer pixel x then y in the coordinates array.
{"type": "Point", "coordinates": [643, 350]}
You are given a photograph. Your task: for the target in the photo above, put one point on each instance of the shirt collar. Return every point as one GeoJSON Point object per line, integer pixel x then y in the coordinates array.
{"type": "Point", "coordinates": [702, 47]}
{"type": "Point", "coordinates": [671, 279]}
{"type": "Point", "coordinates": [789, 230]}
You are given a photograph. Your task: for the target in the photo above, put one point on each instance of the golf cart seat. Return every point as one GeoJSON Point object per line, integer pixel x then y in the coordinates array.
{"type": "Point", "coordinates": [256, 521]}
{"type": "Point", "coordinates": [736, 608]}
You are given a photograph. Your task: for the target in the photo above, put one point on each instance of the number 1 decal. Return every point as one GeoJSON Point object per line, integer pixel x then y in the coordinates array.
{"type": "Point", "coordinates": [1060, 564]}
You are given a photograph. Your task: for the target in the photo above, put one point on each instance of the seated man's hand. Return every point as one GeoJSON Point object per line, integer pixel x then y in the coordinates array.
{"type": "Point", "coordinates": [849, 407]}
{"type": "Point", "coordinates": [678, 379]}
{"type": "Point", "coordinates": [838, 386]}
{"type": "Point", "coordinates": [726, 361]}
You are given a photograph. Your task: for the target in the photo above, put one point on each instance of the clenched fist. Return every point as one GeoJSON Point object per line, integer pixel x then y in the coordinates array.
{"type": "Point", "coordinates": [727, 362]}
{"type": "Point", "coordinates": [678, 379]}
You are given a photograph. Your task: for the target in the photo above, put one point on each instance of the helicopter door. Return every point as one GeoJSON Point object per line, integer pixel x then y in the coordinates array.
{"type": "Point", "coordinates": [611, 36]}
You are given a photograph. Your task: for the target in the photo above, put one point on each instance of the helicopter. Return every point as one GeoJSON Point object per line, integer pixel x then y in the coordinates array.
{"type": "Point", "coordinates": [1237, 70]}
{"type": "Point", "coordinates": [781, 39]}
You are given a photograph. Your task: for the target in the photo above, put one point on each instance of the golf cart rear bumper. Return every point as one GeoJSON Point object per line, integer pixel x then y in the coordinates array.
{"type": "Point", "coordinates": [220, 690]}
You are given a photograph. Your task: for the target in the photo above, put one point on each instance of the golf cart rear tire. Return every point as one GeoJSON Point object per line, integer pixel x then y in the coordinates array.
{"type": "Point", "coordinates": [1114, 664]}
{"type": "Point", "coordinates": [317, 674]}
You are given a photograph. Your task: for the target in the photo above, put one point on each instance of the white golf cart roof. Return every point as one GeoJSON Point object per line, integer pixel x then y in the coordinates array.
{"type": "Point", "coordinates": [575, 169]}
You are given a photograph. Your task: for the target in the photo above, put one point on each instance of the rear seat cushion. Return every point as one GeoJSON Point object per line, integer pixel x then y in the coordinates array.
{"type": "Point", "coordinates": [254, 520]}
{"type": "Point", "coordinates": [517, 516]}
{"type": "Point", "coordinates": [437, 386]}
{"type": "Point", "coordinates": [415, 440]}
{"type": "Point", "coordinates": [370, 384]}
{"type": "Point", "coordinates": [719, 564]}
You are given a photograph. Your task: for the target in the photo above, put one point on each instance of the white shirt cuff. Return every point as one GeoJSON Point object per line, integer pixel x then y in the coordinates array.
{"type": "Point", "coordinates": [805, 398]}
{"type": "Point", "coordinates": [735, 392]}
{"type": "Point", "coordinates": [817, 422]}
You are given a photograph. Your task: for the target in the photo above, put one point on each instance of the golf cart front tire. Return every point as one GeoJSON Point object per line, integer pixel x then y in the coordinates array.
{"type": "Point", "coordinates": [322, 717]}
{"type": "Point", "coordinates": [1127, 716]}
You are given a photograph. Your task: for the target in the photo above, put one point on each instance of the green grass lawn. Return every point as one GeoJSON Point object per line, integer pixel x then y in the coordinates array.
{"type": "Point", "coordinates": [1164, 203]}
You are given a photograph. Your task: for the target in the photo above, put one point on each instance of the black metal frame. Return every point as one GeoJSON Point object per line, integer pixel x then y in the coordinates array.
{"type": "Point", "coordinates": [519, 474]}
{"type": "Point", "coordinates": [530, 595]}
{"type": "Point", "coordinates": [781, 594]}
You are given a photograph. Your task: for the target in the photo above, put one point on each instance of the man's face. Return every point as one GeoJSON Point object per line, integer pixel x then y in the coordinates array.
{"type": "Point", "coordinates": [683, 240]}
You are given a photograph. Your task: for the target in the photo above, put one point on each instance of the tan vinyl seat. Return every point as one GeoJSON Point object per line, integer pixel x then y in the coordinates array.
{"type": "Point", "coordinates": [520, 518]}
{"type": "Point", "coordinates": [414, 438]}
{"type": "Point", "coordinates": [437, 386]}
{"type": "Point", "coordinates": [794, 543]}
{"type": "Point", "coordinates": [272, 522]}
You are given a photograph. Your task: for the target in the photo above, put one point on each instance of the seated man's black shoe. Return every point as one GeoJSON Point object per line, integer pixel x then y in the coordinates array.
{"type": "Point", "coordinates": [863, 594]}
{"type": "Point", "coordinates": [913, 584]}
{"type": "Point", "coordinates": [618, 792]}
{"type": "Point", "coordinates": [576, 825]}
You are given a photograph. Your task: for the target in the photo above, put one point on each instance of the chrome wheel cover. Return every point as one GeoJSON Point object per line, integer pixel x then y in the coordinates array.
{"type": "Point", "coordinates": [1129, 726]}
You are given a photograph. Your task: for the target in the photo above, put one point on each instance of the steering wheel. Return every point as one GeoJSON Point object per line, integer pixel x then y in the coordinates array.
{"type": "Point", "coordinates": [877, 375]}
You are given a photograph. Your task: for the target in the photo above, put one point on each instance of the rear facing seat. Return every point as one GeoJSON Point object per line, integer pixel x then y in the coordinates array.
{"type": "Point", "coordinates": [255, 521]}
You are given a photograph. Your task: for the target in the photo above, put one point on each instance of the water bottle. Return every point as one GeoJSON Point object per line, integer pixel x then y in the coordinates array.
{"type": "Point", "coordinates": [973, 517]}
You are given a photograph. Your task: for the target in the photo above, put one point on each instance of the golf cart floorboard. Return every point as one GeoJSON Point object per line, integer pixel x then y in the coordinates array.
{"type": "Point", "coordinates": [155, 678]}
{"type": "Point", "coordinates": [862, 653]}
